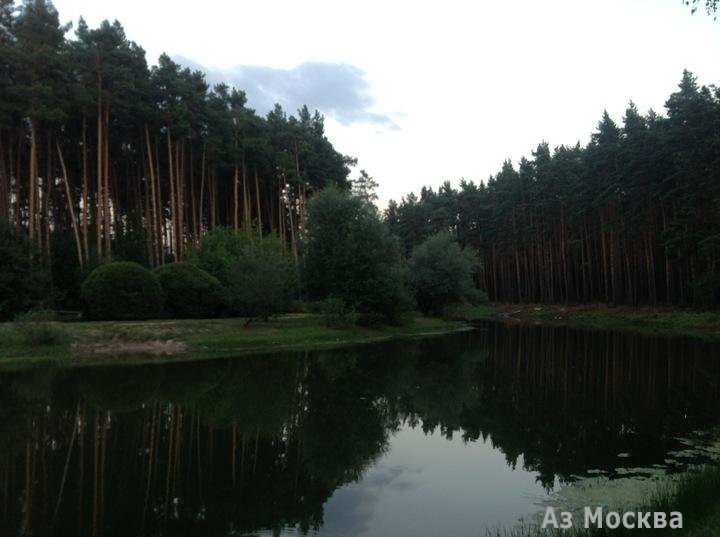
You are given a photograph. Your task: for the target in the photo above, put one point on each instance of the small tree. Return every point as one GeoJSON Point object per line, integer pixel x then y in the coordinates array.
{"type": "Point", "coordinates": [258, 272]}
{"type": "Point", "coordinates": [440, 273]}
{"type": "Point", "coordinates": [349, 254]}
{"type": "Point", "coordinates": [258, 284]}
{"type": "Point", "coordinates": [22, 278]}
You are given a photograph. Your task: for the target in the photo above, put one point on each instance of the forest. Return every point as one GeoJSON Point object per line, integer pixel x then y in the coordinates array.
{"type": "Point", "coordinates": [126, 161]}
{"type": "Point", "coordinates": [631, 218]}
{"type": "Point", "coordinates": [106, 158]}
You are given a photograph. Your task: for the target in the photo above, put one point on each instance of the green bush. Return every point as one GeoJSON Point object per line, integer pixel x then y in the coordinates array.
{"type": "Point", "coordinates": [38, 327]}
{"type": "Point", "coordinates": [440, 274]}
{"type": "Point", "coordinates": [122, 291]}
{"type": "Point", "coordinates": [477, 297]}
{"type": "Point", "coordinates": [258, 272]}
{"type": "Point", "coordinates": [336, 313]}
{"type": "Point", "coordinates": [190, 292]}
{"type": "Point", "coordinates": [23, 281]}
{"type": "Point", "coordinates": [350, 254]}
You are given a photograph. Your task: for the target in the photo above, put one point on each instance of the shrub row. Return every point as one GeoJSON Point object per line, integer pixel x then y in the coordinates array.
{"type": "Point", "coordinates": [228, 273]}
{"type": "Point", "coordinates": [127, 291]}
{"type": "Point", "coordinates": [353, 267]}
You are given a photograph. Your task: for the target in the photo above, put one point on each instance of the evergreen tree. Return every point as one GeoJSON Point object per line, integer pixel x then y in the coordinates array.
{"type": "Point", "coordinates": [632, 218]}
{"type": "Point", "coordinates": [138, 163]}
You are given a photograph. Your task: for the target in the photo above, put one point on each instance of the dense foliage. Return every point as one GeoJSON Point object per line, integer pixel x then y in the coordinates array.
{"type": "Point", "coordinates": [190, 292]}
{"type": "Point", "coordinates": [141, 160]}
{"type": "Point", "coordinates": [632, 218]}
{"type": "Point", "coordinates": [258, 273]}
{"type": "Point", "coordinates": [262, 280]}
{"type": "Point", "coordinates": [122, 290]}
{"type": "Point", "coordinates": [22, 279]}
{"type": "Point", "coordinates": [440, 273]}
{"type": "Point", "coordinates": [349, 254]}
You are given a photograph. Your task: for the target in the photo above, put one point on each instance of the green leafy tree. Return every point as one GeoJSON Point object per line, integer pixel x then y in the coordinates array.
{"type": "Point", "coordinates": [258, 272]}
{"type": "Point", "coordinates": [440, 273]}
{"type": "Point", "coordinates": [349, 254]}
{"type": "Point", "coordinates": [261, 282]}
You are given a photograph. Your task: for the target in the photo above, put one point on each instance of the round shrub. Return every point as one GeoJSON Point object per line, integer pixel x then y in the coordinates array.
{"type": "Point", "coordinates": [190, 292]}
{"type": "Point", "coordinates": [122, 291]}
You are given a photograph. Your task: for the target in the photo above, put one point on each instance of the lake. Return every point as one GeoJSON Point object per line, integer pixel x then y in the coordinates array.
{"type": "Point", "coordinates": [450, 435]}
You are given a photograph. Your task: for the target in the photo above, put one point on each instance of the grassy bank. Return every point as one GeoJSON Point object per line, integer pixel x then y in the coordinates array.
{"type": "Point", "coordinates": [651, 321]}
{"type": "Point", "coordinates": [95, 343]}
{"type": "Point", "coordinates": [695, 495]}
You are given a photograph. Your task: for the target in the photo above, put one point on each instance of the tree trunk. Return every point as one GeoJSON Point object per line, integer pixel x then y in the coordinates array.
{"type": "Point", "coordinates": [236, 225]}
{"type": "Point", "coordinates": [153, 225]}
{"type": "Point", "coordinates": [202, 192]}
{"type": "Point", "coordinates": [246, 195]}
{"type": "Point", "coordinates": [68, 194]}
{"type": "Point", "coordinates": [173, 206]}
{"type": "Point", "coordinates": [195, 233]}
{"type": "Point", "coordinates": [99, 193]}
{"type": "Point", "coordinates": [85, 208]}
{"type": "Point", "coordinates": [32, 183]}
{"type": "Point", "coordinates": [159, 213]}
{"type": "Point", "coordinates": [257, 199]}
{"type": "Point", "coordinates": [106, 188]}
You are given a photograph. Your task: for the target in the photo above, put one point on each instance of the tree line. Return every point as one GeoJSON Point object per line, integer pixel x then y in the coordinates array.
{"type": "Point", "coordinates": [107, 156]}
{"type": "Point", "coordinates": [104, 157]}
{"type": "Point", "coordinates": [633, 217]}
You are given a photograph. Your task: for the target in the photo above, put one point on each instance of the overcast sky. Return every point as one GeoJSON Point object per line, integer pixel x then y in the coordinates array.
{"type": "Point", "coordinates": [423, 92]}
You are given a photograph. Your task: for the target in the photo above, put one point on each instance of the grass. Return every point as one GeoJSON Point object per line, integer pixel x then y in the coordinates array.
{"type": "Point", "coordinates": [646, 320]}
{"type": "Point", "coordinates": [100, 343]}
{"type": "Point", "coordinates": [696, 495]}
{"type": "Point", "coordinates": [36, 327]}
{"type": "Point", "coordinates": [133, 342]}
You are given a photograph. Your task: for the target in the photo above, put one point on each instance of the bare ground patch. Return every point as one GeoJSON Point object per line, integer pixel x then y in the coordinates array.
{"type": "Point", "coordinates": [119, 347]}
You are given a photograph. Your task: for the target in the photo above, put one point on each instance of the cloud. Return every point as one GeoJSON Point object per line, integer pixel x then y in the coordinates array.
{"type": "Point", "coordinates": [350, 509]}
{"type": "Point", "coordinates": [337, 90]}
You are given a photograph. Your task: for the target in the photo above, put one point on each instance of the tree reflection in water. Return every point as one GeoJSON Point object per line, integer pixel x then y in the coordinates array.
{"type": "Point", "coordinates": [262, 443]}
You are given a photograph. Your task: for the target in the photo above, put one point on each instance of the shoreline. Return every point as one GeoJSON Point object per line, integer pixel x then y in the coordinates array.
{"type": "Point", "coordinates": [651, 321]}
{"type": "Point", "coordinates": [120, 343]}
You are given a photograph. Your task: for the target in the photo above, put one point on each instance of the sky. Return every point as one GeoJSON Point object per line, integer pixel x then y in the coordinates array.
{"type": "Point", "coordinates": [422, 92]}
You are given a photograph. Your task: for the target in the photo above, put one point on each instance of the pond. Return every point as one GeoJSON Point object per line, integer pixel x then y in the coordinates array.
{"type": "Point", "coordinates": [447, 436]}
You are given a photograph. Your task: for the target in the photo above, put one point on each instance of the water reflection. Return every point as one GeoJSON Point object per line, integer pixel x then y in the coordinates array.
{"type": "Point", "coordinates": [262, 444]}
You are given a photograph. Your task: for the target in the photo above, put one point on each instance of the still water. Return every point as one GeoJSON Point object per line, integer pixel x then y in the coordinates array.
{"type": "Point", "coordinates": [444, 436]}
